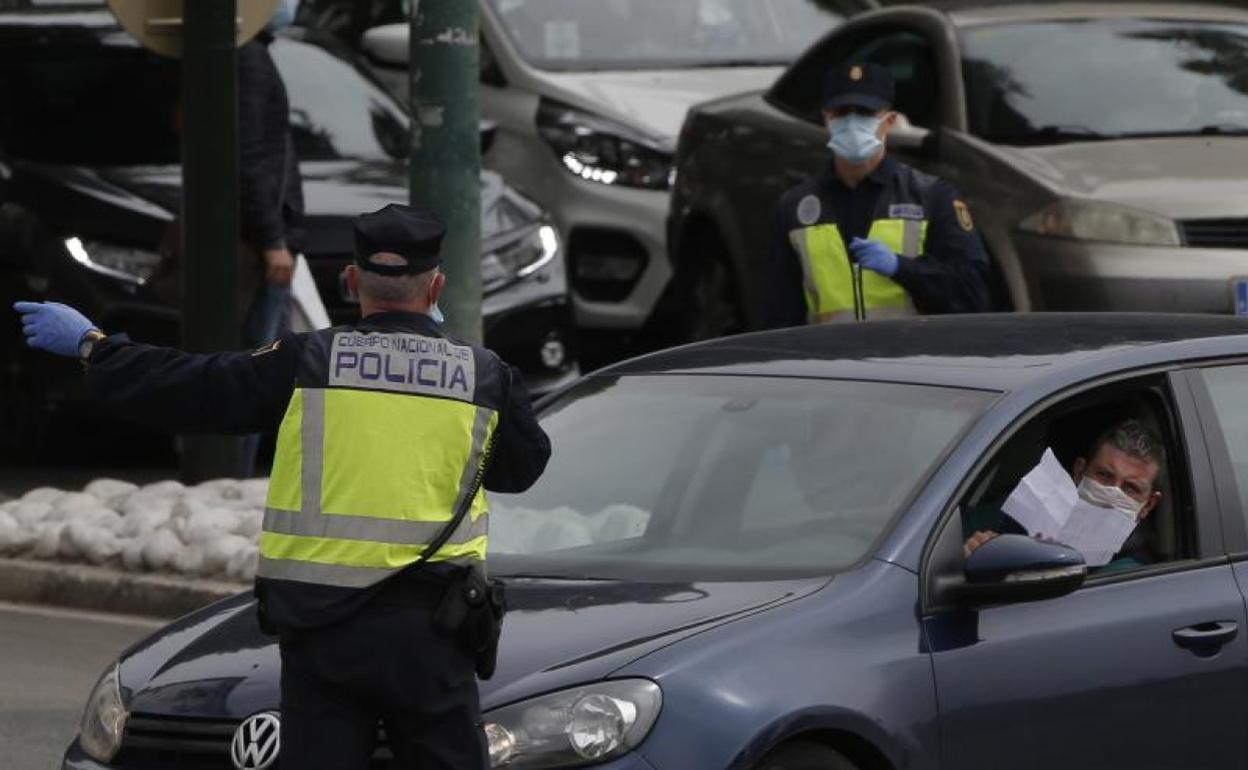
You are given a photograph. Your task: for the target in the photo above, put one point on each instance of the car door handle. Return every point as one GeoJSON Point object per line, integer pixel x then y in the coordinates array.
{"type": "Point", "coordinates": [1206, 637]}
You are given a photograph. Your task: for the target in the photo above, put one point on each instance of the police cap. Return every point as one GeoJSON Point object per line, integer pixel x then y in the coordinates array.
{"type": "Point", "coordinates": [411, 232]}
{"type": "Point", "coordinates": [858, 85]}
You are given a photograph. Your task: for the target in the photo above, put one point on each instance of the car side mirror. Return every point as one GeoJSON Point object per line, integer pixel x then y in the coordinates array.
{"type": "Point", "coordinates": [1017, 568]}
{"type": "Point", "coordinates": [908, 137]}
{"type": "Point", "coordinates": [489, 131]}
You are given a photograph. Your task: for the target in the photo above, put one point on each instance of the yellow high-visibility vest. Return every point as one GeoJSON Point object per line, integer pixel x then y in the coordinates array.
{"type": "Point", "coordinates": [837, 289]}
{"type": "Point", "coordinates": [381, 442]}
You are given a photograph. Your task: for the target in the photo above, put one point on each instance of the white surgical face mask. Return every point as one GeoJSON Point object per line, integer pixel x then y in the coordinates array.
{"type": "Point", "coordinates": [435, 313]}
{"type": "Point", "coordinates": [854, 137]}
{"type": "Point", "coordinates": [1098, 494]}
{"type": "Point", "coordinates": [283, 17]}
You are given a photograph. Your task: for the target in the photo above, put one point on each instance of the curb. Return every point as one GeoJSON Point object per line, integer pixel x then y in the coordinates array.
{"type": "Point", "coordinates": [84, 587]}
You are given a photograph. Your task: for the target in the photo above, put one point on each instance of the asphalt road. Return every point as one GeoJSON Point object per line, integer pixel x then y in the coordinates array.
{"type": "Point", "coordinates": [49, 660]}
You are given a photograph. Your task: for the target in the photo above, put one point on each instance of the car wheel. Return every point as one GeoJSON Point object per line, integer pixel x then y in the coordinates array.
{"type": "Point", "coordinates": [715, 309]}
{"type": "Point", "coordinates": [805, 755]}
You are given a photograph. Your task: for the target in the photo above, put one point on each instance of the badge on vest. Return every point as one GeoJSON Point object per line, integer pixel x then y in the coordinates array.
{"type": "Point", "coordinates": [906, 211]}
{"type": "Point", "coordinates": [406, 363]}
{"type": "Point", "coordinates": [808, 210]}
{"type": "Point", "coordinates": [964, 215]}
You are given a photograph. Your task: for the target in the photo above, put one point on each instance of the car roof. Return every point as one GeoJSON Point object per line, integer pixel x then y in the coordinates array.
{"type": "Point", "coordinates": [968, 13]}
{"type": "Point", "coordinates": [999, 352]}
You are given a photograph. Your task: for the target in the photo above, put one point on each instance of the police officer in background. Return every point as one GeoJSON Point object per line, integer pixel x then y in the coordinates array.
{"type": "Point", "coordinates": [387, 429]}
{"type": "Point", "coordinates": [869, 237]}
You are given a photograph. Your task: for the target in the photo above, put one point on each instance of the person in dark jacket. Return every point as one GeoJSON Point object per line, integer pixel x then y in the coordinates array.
{"type": "Point", "coordinates": [270, 187]}
{"type": "Point", "coordinates": [375, 518]}
{"type": "Point", "coordinates": [869, 237]}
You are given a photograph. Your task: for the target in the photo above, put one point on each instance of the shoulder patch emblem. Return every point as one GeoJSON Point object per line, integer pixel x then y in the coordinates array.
{"type": "Point", "coordinates": [809, 209]}
{"type": "Point", "coordinates": [964, 215]}
{"type": "Point", "coordinates": [269, 348]}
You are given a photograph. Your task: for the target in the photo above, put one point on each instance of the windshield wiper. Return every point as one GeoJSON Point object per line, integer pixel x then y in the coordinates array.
{"type": "Point", "coordinates": [1218, 129]}
{"type": "Point", "coordinates": [560, 576]}
{"type": "Point", "coordinates": [1053, 134]}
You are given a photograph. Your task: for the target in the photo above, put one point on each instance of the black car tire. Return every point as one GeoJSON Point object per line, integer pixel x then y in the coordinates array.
{"type": "Point", "coordinates": [805, 755]}
{"type": "Point", "coordinates": [715, 308]}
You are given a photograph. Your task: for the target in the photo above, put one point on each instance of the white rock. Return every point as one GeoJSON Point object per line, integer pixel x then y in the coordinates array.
{"type": "Point", "coordinates": [82, 539]}
{"type": "Point", "coordinates": [14, 538]}
{"type": "Point", "coordinates": [207, 526]}
{"type": "Point", "coordinates": [189, 561]}
{"type": "Point", "coordinates": [160, 548]}
{"type": "Point", "coordinates": [220, 489]}
{"type": "Point", "coordinates": [8, 506]}
{"type": "Point", "coordinates": [144, 512]}
{"type": "Point", "coordinates": [30, 513]}
{"type": "Point", "coordinates": [164, 489]}
{"type": "Point", "coordinates": [132, 555]}
{"type": "Point", "coordinates": [243, 564]}
{"type": "Point", "coordinates": [618, 522]}
{"type": "Point", "coordinates": [249, 524]}
{"type": "Point", "coordinates": [111, 492]}
{"type": "Point", "coordinates": [47, 539]}
{"type": "Point", "coordinates": [72, 503]}
{"type": "Point", "coordinates": [219, 553]}
{"type": "Point", "coordinates": [254, 490]}
{"type": "Point", "coordinates": [42, 495]}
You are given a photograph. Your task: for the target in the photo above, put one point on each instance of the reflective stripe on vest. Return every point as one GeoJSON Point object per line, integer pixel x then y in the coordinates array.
{"type": "Point", "coordinates": [829, 274]}
{"type": "Point", "coordinates": [364, 480]}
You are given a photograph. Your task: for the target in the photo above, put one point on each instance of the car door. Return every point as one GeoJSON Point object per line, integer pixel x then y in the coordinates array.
{"type": "Point", "coordinates": [1142, 669]}
{"type": "Point", "coordinates": [1221, 396]}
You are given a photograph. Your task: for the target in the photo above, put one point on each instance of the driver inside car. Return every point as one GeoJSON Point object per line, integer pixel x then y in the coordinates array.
{"type": "Point", "coordinates": [1120, 471]}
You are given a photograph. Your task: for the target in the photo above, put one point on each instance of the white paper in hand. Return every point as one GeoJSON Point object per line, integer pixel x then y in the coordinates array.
{"type": "Point", "coordinates": [1042, 501]}
{"type": "Point", "coordinates": [1096, 532]}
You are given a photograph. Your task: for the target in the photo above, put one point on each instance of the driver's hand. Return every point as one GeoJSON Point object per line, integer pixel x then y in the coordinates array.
{"type": "Point", "coordinates": [975, 541]}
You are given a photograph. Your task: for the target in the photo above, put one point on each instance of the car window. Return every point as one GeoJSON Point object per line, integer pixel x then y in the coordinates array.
{"type": "Point", "coordinates": [572, 35]}
{"type": "Point", "coordinates": [1080, 80]}
{"type": "Point", "coordinates": [688, 477]}
{"type": "Point", "coordinates": [906, 54]}
{"type": "Point", "coordinates": [1228, 390]}
{"type": "Point", "coordinates": [1073, 432]}
{"type": "Point", "coordinates": [335, 110]}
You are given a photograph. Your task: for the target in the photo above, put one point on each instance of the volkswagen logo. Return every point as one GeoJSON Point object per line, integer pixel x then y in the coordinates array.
{"type": "Point", "coordinates": [257, 742]}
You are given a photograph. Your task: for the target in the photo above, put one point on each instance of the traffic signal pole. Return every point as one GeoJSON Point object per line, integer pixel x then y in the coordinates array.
{"type": "Point", "coordinates": [446, 147]}
{"type": "Point", "coordinates": [210, 217]}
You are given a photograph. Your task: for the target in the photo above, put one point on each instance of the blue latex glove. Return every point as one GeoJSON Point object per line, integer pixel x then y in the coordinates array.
{"type": "Point", "coordinates": [874, 256]}
{"type": "Point", "coordinates": [53, 327]}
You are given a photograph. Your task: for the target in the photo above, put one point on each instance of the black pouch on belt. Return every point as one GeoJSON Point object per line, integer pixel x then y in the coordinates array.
{"type": "Point", "coordinates": [472, 611]}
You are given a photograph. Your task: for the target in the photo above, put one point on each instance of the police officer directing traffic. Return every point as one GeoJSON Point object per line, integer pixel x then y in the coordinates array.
{"type": "Point", "coordinates": [388, 429]}
{"type": "Point", "coordinates": [869, 237]}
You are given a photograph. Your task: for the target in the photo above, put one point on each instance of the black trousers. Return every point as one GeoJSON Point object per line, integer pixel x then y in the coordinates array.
{"type": "Point", "coordinates": [385, 664]}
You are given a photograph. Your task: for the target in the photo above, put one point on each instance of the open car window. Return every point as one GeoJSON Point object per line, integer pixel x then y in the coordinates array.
{"type": "Point", "coordinates": [1071, 429]}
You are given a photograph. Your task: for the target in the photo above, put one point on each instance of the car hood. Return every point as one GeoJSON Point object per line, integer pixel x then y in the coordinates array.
{"type": "Point", "coordinates": [655, 101]}
{"type": "Point", "coordinates": [217, 664]}
{"type": "Point", "coordinates": [1182, 178]}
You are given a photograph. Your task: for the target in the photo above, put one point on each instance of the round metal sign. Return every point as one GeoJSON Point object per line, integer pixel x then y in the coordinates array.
{"type": "Point", "coordinates": [157, 24]}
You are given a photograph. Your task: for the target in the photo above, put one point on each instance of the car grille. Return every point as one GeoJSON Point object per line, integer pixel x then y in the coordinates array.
{"type": "Point", "coordinates": [173, 743]}
{"type": "Point", "coordinates": [1216, 233]}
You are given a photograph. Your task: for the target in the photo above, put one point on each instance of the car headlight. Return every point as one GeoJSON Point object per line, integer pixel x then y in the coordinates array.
{"type": "Point", "coordinates": [1108, 223]}
{"type": "Point", "coordinates": [519, 257]}
{"type": "Point", "coordinates": [104, 719]}
{"type": "Point", "coordinates": [581, 726]}
{"type": "Point", "coordinates": [133, 266]}
{"type": "Point", "coordinates": [603, 151]}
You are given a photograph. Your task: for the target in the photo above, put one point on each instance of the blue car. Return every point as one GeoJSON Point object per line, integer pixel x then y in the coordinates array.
{"type": "Point", "coordinates": [749, 553]}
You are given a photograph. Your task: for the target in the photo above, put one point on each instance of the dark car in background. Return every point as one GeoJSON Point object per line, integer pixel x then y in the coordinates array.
{"type": "Point", "coordinates": [90, 184]}
{"type": "Point", "coordinates": [1102, 147]}
{"type": "Point", "coordinates": [747, 554]}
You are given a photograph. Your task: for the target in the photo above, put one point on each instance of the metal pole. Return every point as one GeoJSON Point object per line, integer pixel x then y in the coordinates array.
{"type": "Point", "coordinates": [209, 208]}
{"type": "Point", "coordinates": [446, 147]}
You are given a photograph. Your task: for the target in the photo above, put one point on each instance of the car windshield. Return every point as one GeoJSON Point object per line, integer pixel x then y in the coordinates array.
{"type": "Point", "coordinates": [1049, 82]}
{"type": "Point", "coordinates": [723, 478]}
{"type": "Point", "coordinates": [107, 102]}
{"type": "Point", "coordinates": [661, 34]}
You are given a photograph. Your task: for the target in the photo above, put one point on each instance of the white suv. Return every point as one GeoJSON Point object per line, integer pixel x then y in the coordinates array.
{"type": "Point", "coordinates": [589, 98]}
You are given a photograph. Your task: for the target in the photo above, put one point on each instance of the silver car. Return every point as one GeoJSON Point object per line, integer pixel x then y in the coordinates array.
{"type": "Point", "coordinates": [589, 98]}
{"type": "Point", "coordinates": [1102, 147]}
